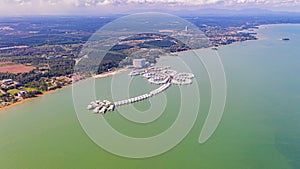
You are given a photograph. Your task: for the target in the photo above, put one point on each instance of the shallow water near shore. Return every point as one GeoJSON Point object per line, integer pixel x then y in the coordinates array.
{"type": "Point", "coordinates": [259, 128]}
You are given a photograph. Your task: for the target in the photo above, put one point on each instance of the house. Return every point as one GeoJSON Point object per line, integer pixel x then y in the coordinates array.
{"type": "Point", "coordinates": [22, 93]}
{"type": "Point", "coordinates": [7, 81]}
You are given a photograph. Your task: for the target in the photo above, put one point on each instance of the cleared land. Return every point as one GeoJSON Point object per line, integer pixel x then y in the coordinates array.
{"type": "Point", "coordinates": [14, 68]}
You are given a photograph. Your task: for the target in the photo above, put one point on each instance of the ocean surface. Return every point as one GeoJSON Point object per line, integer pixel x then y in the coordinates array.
{"type": "Point", "coordinates": [259, 128]}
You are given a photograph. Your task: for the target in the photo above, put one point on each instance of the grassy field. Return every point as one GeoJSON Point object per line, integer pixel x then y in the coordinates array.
{"type": "Point", "coordinates": [31, 89]}
{"type": "Point", "coordinates": [14, 91]}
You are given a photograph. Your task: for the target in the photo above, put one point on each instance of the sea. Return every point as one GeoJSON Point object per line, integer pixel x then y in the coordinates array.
{"type": "Point", "coordinates": [259, 127]}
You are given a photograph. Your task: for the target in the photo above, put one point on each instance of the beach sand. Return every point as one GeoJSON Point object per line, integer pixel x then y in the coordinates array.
{"type": "Point", "coordinates": [107, 74]}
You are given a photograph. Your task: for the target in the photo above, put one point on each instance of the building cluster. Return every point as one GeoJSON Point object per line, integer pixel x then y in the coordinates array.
{"type": "Point", "coordinates": [101, 107]}
{"type": "Point", "coordinates": [157, 78]}
{"type": "Point", "coordinates": [223, 36]}
{"type": "Point", "coordinates": [162, 75]}
{"type": "Point", "coordinates": [183, 79]}
{"type": "Point", "coordinates": [58, 82]}
{"type": "Point", "coordinates": [12, 91]}
{"type": "Point", "coordinates": [7, 84]}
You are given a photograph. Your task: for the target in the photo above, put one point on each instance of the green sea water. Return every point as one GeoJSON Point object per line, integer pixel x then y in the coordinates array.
{"type": "Point", "coordinates": [259, 128]}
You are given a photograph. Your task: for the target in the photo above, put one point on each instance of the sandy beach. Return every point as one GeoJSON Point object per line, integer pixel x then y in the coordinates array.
{"type": "Point", "coordinates": [107, 74]}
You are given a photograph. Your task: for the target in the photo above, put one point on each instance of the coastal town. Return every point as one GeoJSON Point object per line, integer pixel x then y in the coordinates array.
{"type": "Point", "coordinates": [50, 68]}
{"type": "Point", "coordinates": [30, 68]}
{"type": "Point", "coordinates": [224, 35]}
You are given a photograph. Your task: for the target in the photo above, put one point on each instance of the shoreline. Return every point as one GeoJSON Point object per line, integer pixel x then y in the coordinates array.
{"type": "Point", "coordinates": [108, 74]}
{"type": "Point", "coordinates": [16, 103]}
{"type": "Point", "coordinates": [103, 75]}
{"type": "Point", "coordinates": [112, 73]}
{"type": "Point", "coordinates": [32, 98]}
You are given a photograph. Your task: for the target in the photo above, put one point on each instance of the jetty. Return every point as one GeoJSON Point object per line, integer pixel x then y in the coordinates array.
{"type": "Point", "coordinates": [163, 76]}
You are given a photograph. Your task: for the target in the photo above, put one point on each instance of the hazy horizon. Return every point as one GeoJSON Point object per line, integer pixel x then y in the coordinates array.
{"type": "Point", "coordinates": [108, 7]}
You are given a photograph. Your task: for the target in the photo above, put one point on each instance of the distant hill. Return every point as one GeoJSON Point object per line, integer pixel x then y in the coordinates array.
{"type": "Point", "coordinates": [230, 12]}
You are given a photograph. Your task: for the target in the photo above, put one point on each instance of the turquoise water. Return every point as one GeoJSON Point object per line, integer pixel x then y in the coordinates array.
{"type": "Point", "coordinates": [259, 128]}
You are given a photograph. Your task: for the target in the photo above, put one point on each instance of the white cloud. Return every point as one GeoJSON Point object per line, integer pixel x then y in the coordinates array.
{"type": "Point", "coordinates": [66, 6]}
{"type": "Point", "coordinates": [180, 2]}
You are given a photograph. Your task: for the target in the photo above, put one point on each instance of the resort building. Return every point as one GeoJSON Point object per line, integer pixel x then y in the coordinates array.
{"type": "Point", "coordinates": [139, 63]}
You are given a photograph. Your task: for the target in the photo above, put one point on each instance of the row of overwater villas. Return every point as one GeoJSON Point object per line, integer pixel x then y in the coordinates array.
{"type": "Point", "coordinates": [182, 81]}
{"type": "Point", "coordinates": [150, 69]}
{"type": "Point", "coordinates": [103, 106]}
{"type": "Point", "coordinates": [158, 80]}
{"type": "Point", "coordinates": [160, 89]}
{"type": "Point", "coordinates": [143, 97]}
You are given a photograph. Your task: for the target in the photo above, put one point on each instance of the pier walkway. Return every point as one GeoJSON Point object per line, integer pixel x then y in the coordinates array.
{"type": "Point", "coordinates": [155, 75]}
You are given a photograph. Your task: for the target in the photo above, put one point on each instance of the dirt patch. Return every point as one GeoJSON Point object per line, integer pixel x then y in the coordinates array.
{"type": "Point", "coordinates": [8, 67]}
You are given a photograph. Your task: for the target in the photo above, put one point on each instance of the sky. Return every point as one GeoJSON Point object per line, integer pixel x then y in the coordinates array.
{"type": "Point", "coordinates": [103, 7]}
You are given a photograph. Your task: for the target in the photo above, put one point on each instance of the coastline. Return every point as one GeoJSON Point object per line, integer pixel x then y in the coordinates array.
{"type": "Point", "coordinates": [32, 98]}
{"type": "Point", "coordinates": [17, 103]}
{"type": "Point", "coordinates": [108, 74]}
{"type": "Point", "coordinates": [112, 73]}
{"type": "Point", "coordinates": [103, 75]}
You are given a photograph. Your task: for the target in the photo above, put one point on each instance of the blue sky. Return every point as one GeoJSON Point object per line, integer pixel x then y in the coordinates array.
{"type": "Point", "coordinates": [81, 7]}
